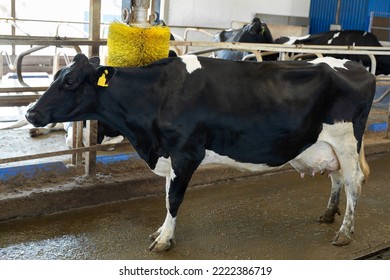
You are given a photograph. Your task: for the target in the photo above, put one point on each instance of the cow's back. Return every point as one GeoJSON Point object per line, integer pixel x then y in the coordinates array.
{"type": "Point", "coordinates": [244, 87]}
{"type": "Point", "coordinates": [341, 38]}
{"type": "Point", "coordinates": [229, 105]}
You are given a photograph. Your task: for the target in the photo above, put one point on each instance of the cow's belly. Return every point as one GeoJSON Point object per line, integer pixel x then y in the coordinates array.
{"type": "Point", "coordinates": [212, 157]}
{"type": "Point", "coordinates": [319, 157]}
{"type": "Point", "coordinates": [164, 165]}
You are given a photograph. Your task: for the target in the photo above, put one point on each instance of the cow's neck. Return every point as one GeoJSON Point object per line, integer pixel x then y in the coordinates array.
{"type": "Point", "coordinates": [129, 103]}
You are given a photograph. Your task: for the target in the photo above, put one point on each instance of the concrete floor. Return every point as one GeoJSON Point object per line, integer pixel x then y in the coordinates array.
{"type": "Point", "coordinates": [270, 217]}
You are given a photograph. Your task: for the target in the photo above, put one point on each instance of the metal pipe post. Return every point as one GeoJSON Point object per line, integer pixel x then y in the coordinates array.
{"type": "Point", "coordinates": [337, 17]}
{"type": "Point", "coordinates": [140, 14]}
{"type": "Point", "coordinates": [94, 25]}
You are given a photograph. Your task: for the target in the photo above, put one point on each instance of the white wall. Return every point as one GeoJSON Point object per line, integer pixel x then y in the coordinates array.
{"type": "Point", "coordinates": [220, 13]}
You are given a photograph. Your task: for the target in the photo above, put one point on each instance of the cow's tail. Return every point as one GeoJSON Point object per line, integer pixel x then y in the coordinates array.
{"type": "Point", "coordinates": [363, 163]}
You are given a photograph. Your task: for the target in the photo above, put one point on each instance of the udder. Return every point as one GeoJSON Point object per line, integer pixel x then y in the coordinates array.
{"type": "Point", "coordinates": [319, 157]}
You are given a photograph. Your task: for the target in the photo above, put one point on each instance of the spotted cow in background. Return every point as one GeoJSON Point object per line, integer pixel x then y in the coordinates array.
{"type": "Point", "coordinates": [182, 112]}
{"type": "Point", "coordinates": [345, 38]}
{"type": "Point", "coordinates": [105, 134]}
{"type": "Point", "coordinates": [255, 32]}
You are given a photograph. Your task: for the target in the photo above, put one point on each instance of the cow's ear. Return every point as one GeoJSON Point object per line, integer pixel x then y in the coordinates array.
{"type": "Point", "coordinates": [104, 75]}
{"type": "Point", "coordinates": [95, 60]}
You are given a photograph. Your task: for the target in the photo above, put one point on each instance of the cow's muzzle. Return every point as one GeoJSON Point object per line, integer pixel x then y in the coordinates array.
{"type": "Point", "coordinates": [35, 118]}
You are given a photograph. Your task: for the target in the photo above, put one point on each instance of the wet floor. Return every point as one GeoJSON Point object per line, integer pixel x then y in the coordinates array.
{"type": "Point", "coordinates": [270, 217]}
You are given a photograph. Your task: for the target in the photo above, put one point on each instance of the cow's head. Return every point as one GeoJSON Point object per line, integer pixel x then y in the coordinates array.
{"type": "Point", "coordinates": [256, 27]}
{"type": "Point", "coordinates": [73, 95]}
{"type": "Point", "coordinates": [257, 32]}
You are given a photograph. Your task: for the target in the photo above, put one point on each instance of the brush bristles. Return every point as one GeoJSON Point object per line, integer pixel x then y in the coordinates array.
{"type": "Point", "coordinates": [135, 46]}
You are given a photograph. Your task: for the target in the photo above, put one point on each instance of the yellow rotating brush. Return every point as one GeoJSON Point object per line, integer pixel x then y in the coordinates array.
{"type": "Point", "coordinates": [136, 46]}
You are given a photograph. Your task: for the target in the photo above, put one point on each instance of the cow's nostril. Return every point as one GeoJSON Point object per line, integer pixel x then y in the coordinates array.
{"type": "Point", "coordinates": [32, 117]}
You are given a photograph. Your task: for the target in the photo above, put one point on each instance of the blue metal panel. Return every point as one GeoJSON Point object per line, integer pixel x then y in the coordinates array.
{"type": "Point", "coordinates": [322, 15]}
{"type": "Point", "coordinates": [382, 6]}
{"type": "Point", "coordinates": [354, 14]}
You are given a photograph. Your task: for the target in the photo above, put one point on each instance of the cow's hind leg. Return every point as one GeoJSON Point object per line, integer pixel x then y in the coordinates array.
{"type": "Point", "coordinates": [342, 139]}
{"type": "Point", "coordinates": [353, 179]}
{"type": "Point", "coordinates": [334, 200]}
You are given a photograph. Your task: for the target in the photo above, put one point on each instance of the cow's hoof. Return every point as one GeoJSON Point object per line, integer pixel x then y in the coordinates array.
{"type": "Point", "coordinates": [160, 247]}
{"type": "Point", "coordinates": [341, 239]}
{"type": "Point", "coordinates": [34, 132]}
{"type": "Point", "coordinates": [154, 235]}
{"type": "Point", "coordinates": [329, 216]}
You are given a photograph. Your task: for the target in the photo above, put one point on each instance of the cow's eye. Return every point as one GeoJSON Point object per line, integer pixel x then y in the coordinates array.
{"type": "Point", "coordinates": [69, 81]}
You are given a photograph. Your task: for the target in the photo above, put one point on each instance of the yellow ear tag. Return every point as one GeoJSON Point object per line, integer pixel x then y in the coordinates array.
{"type": "Point", "coordinates": [102, 82]}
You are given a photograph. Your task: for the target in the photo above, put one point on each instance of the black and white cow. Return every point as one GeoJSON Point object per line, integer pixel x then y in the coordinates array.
{"type": "Point", "coordinates": [345, 38]}
{"type": "Point", "coordinates": [255, 32]}
{"type": "Point", "coordinates": [186, 111]}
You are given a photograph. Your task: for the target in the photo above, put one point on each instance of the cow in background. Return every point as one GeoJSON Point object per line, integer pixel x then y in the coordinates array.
{"type": "Point", "coordinates": [255, 32]}
{"type": "Point", "coordinates": [344, 38]}
{"type": "Point", "coordinates": [105, 134]}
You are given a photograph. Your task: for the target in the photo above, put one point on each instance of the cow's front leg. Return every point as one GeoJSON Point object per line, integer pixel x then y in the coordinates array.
{"type": "Point", "coordinates": [162, 238]}
{"type": "Point", "coordinates": [334, 200]}
{"type": "Point", "coordinates": [176, 185]}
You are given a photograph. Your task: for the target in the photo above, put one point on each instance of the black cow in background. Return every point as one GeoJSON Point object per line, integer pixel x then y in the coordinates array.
{"type": "Point", "coordinates": [345, 38]}
{"type": "Point", "coordinates": [255, 32]}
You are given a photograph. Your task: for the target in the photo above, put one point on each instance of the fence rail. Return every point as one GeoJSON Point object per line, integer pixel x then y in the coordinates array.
{"type": "Point", "coordinates": [94, 148]}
